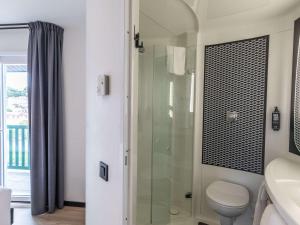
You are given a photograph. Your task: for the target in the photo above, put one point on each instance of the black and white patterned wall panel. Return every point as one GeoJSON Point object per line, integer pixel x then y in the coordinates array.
{"type": "Point", "coordinates": [235, 81]}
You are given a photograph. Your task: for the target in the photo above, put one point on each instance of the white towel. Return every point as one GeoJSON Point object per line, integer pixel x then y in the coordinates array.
{"type": "Point", "coordinates": [176, 60]}
{"type": "Point", "coordinates": [261, 204]}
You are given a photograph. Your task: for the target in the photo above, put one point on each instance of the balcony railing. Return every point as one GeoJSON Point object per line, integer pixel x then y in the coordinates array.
{"type": "Point", "coordinates": [18, 145]}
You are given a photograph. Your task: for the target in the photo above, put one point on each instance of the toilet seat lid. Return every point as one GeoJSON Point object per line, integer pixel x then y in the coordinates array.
{"type": "Point", "coordinates": [228, 194]}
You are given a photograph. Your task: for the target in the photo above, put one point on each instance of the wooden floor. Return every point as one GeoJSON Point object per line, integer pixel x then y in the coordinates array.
{"type": "Point", "coordinates": [66, 216]}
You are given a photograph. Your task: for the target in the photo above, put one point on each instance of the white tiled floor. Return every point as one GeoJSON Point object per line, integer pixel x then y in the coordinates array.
{"type": "Point", "coordinates": [183, 218]}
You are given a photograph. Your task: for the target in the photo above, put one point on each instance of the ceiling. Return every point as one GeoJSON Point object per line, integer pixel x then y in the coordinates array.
{"type": "Point", "coordinates": [216, 13]}
{"type": "Point", "coordinates": [159, 18]}
{"type": "Point", "coordinates": [217, 8]}
{"type": "Point", "coordinates": [61, 12]}
{"type": "Point", "coordinates": [165, 18]}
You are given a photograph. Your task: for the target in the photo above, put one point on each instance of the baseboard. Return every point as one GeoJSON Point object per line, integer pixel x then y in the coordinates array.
{"type": "Point", "coordinates": [75, 204]}
{"type": "Point", "coordinates": [66, 203]}
{"type": "Point", "coordinates": [22, 202]}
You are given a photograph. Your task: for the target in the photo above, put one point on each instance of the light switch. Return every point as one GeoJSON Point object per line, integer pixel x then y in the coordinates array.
{"type": "Point", "coordinates": [103, 171]}
{"type": "Point", "coordinates": [103, 85]}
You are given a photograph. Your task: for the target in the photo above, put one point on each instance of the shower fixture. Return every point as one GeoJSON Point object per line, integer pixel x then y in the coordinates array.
{"type": "Point", "coordinates": [232, 116]}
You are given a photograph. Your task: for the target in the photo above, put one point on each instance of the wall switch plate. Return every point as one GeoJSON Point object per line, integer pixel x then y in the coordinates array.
{"type": "Point", "coordinates": [103, 173]}
{"type": "Point", "coordinates": [103, 85]}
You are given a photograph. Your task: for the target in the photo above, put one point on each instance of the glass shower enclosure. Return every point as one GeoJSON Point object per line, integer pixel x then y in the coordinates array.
{"type": "Point", "coordinates": [165, 132]}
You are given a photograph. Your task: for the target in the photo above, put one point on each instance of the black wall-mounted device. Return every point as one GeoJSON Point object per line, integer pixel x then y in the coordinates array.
{"type": "Point", "coordinates": [103, 171]}
{"type": "Point", "coordinates": [188, 195]}
{"type": "Point", "coordinates": [276, 119]}
{"type": "Point", "coordinates": [138, 43]}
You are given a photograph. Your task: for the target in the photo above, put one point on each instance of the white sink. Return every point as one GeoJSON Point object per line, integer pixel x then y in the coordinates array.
{"type": "Point", "coordinates": [283, 185]}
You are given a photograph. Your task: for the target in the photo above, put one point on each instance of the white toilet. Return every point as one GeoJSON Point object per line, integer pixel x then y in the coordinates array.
{"type": "Point", "coordinates": [228, 200]}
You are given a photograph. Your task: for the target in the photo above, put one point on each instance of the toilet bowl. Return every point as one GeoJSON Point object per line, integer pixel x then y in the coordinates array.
{"type": "Point", "coordinates": [228, 200]}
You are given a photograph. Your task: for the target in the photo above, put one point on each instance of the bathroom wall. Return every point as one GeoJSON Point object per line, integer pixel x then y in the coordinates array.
{"type": "Point", "coordinates": [279, 88]}
{"type": "Point", "coordinates": [279, 82]}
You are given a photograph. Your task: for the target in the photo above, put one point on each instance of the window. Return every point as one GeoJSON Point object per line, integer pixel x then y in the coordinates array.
{"type": "Point", "coordinates": [15, 152]}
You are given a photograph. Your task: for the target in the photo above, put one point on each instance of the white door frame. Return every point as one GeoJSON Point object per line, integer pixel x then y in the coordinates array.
{"type": "Point", "coordinates": [132, 94]}
{"type": "Point", "coordinates": [1, 127]}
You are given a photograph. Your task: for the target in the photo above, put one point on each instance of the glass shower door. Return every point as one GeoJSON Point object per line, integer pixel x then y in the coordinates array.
{"type": "Point", "coordinates": [165, 138]}
{"type": "Point", "coordinates": [161, 139]}
{"type": "Point", "coordinates": [154, 139]}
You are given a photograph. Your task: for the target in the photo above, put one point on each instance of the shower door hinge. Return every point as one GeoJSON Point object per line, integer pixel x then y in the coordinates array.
{"type": "Point", "coordinates": [126, 160]}
{"type": "Point", "coordinates": [126, 221]}
{"type": "Point", "coordinates": [126, 157]}
{"type": "Point", "coordinates": [138, 43]}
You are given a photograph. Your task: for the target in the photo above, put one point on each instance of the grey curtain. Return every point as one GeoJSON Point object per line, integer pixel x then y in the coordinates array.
{"type": "Point", "coordinates": [45, 117]}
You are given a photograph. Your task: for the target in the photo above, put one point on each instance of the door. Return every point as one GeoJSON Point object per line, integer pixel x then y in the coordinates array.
{"type": "Point", "coordinates": [15, 151]}
{"type": "Point", "coordinates": [162, 117]}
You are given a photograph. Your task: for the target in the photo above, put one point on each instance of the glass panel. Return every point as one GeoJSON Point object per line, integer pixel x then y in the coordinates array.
{"type": "Point", "coordinates": [182, 141]}
{"type": "Point", "coordinates": [16, 143]}
{"type": "Point", "coordinates": [144, 154]}
{"type": "Point", "coordinates": [165, 138]}
{"type": "Point", "coordinates": [161, 139]}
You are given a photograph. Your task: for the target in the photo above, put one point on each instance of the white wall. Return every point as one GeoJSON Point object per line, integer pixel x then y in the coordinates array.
{"type": "Point", "coordinates": [105, 115]}
{"type": "Point", "coordinates": [13, 41]}
{"type": "Point", "coordinates": [16, 41]}
{"type": "Point", "coordinates": [279, 91]}
{"type": "Point", "coordinates": [74, 104]}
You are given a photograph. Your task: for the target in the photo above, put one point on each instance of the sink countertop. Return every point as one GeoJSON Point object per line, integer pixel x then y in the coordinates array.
{"type": "Point", "coordinates": [283, 185]}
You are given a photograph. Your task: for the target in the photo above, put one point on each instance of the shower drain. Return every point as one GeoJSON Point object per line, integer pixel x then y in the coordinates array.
{"type": "Point", "coordinates": [174, 212]}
